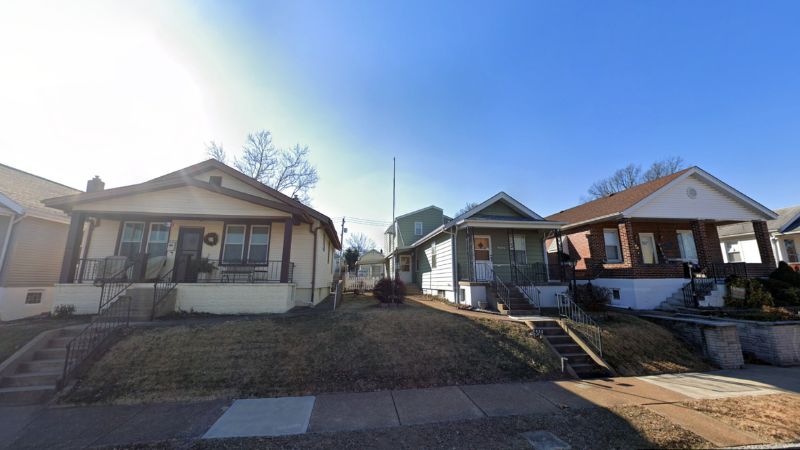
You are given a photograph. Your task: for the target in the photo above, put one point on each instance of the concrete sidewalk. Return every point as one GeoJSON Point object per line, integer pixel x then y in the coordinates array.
{"type": "Point", "coordinates": [80, 427]}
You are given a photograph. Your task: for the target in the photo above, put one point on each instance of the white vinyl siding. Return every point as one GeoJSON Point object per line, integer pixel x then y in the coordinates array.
{"type": "Point", "coordinates": [439, 278]}
{"type": "Point", "coordinates": [34, 253]}
{"type": "Point", "coordinates": [613, 249]}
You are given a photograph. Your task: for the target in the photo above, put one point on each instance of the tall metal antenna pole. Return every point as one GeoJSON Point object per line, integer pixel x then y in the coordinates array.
{"type": "Point", "coordinates": [394, 202]}
{"type": "Point", "coordinates": [341, 253]}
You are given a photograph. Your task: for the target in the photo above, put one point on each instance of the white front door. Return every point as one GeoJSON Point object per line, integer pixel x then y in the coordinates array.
{"type": "Point", "coordinates": [482, 246]}
{"type": "Point", "coordinates": [405, 269]}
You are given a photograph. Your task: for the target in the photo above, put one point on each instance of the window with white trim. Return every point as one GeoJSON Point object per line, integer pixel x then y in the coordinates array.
{"type": "Point", "coordinates": [686, 245]}
{"type": "Point", "coordinates": [33, 297]}
{"type": "Point", "coordinates": [157, 239]}
{"type": "Point", "coordinates": [233, 247]}
{"type": "Point", "coordinates": [791, 250]}
{"type": "Point", "coordinates": [130, 243]}
{"type": "Point", "coordinates": [734, 251]}
{"type": "Point", "coordinates": [613, 249]}
{"type": "Point", "coordinates": [647, 243]}
{"type": "Point", "coordinates": [259, 244]}
{"type": "Point", "coordinates": [417, 228]}
{"type": "Point", "coordinates": [405, 263]}
{"type": "Point", "coordinates": [519, 253]}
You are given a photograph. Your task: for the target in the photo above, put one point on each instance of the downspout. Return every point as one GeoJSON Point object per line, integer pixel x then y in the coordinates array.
{"type": "Point", "coordinates": [89, 234]}
{"type": "Point", "coordinates": [313, 262]}
{"type": "Point", "coordinates": [454, 250]}
{"type": "Point", "coordinates": [11, 224]}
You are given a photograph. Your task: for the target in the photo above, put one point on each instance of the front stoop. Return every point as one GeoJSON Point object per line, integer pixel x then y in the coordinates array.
{"type": "Point", "coordinates": [578, 360]}
{"type": "Point", "coordinates": [30, 375]}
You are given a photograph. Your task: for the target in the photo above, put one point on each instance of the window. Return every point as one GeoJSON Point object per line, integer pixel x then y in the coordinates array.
{"type": "Point", "coordinates": [733, 251]}
{"type": "Point", "coordinates": [482, 248]}
{"type": "Point", "coordinates": [791, 250]}
{"type": "Point", "coordinates": [686, 245]}
{"type": "Point", "coordinates": [518, 249]}
{"type": "Point", "coordinates": [157, 239]}
{"type": "Point", "coordinates": [233, 249]}
{"type": "Point", "coordinates": [130, 243]}
{"type": "Point", "coordinates": [216, 180]}
{"type": "Point", "coordinates": [647, 241]}
{"type": "Point", "coordinates": [613, 251]}
{"type": "Point", "coordinates": [259, 244]}
{"type": "Point", "coordinates": [615, 295]}
{"type": "Point", "coordinates": [417, 228]}
{"type": "Point", "coordinates": [33, 297]}
{"type": "Point", "coordinates": [405, 263]}
{"type": "Point", "coordinates": [433, 255]}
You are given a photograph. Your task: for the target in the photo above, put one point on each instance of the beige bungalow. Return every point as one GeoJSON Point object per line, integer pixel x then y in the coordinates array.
{"type": "Point", "coordinates": [232, 244]}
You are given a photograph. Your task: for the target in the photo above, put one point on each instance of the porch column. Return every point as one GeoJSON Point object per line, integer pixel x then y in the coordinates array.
{"type": "Point", "coordinates": [764, 245]}
{"type": "Point", "coordinates": [287, 249]}
{"type": "Point", "coordinates": [73, 248]}
{"type": "Point", "coordinates": [704, 244]}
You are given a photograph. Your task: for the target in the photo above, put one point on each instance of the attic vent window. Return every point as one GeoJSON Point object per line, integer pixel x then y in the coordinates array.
{"type": "Point", "coordinates": [216, 180]}
{"type": "Point", "coordinates": [691, 193]}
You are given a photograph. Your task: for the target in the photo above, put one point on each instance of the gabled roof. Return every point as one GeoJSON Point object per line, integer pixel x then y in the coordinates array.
{"type": "Point", "coordinates": [625, 203]}
{"type": "Point", "coordinates": [184, 177]}
{"type": "Point", "coordinates": [371, 257]}
{"type": "Point", "coordinates": [788, 220]}
{"type": "Point", "coordinates": [509, 200]}
{"type": "Point", "coordinates": [23, 193]}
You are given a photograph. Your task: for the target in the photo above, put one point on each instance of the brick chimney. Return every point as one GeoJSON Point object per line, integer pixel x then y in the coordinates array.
{"type": "Point", "coordinates": [95, 184]}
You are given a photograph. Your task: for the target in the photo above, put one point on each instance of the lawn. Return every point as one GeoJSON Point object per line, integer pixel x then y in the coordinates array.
{"type": "Point", "coordinates": [359, 347]}
{"type": "Point", "coordinates": [15, 334]}
{"type": "Point", "coordinates": [634, 347]}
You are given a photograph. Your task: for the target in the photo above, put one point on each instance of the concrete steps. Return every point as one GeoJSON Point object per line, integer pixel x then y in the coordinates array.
{"type": "Point", "coordinates": [30, 375]}
{"type": "Point", "coordinates": [581, 362]}
{"type": "Point", "coordinates": [676, 300]}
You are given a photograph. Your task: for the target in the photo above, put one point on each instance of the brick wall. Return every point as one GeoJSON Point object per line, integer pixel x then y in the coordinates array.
{"type": "Point", "coordinates": [764, 244]}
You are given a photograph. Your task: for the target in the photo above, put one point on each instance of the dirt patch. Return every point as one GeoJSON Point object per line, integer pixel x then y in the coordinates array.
{"type": "Point", "coordinates": [774, 417]}
{"type": "Point", "coordinates": [359, 347]}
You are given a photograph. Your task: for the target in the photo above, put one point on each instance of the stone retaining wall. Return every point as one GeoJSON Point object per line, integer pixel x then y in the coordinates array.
{"type": "Point", "coordinates": [776, 343]}
{"type": "Point", "coordinates": [719, 341]}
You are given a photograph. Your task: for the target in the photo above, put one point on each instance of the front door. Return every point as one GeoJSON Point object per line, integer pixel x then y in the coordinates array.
{"type": "Point", "coordinates": [404, 271]}
{"type": "Point", "coordinates": [483, 258]}
{"type": "Point", "coordinates": [190, 248]}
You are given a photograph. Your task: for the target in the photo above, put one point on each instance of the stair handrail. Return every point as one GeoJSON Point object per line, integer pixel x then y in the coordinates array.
{"type": "Point", "coordinates": [503, 291]}
{"type": "Point", "coordinates": [568, 309]}
{"type": "Point", "coordinates": [528, 287]}
{"type": "Point", "coordinates": [113, 312]}
{"type": "Point", "coordinates": [696, 289]}
{"type": "Point", "coordinates": [162, 286]}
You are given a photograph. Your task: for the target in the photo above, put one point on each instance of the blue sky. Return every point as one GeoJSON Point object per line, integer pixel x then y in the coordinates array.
{"type": "Point", "coordinates": [538, 99]}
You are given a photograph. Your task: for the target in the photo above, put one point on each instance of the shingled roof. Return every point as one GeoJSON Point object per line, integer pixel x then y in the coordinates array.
{"type": "Point", "coordinates": [788, 220]}
{"type": "Point", "coordinates": [614, 203]}
{"type": "Point", "coordinates": [28, 190]}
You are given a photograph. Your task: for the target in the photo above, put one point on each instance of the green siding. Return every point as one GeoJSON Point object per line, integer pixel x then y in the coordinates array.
{"type": "Point", "coordinates": [499, 208]}
{"type": "Point", "coordinates": [431, 219]}
{"type": "Point", "coordinates": [500, 251]}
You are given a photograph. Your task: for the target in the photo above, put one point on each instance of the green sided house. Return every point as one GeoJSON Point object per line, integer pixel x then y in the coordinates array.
{"type": "Point", "coordinates": [496, 246]}
{"type": "Point", "coordinates": [232, 245]}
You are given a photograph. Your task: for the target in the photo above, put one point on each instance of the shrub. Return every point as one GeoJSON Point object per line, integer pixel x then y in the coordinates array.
{"type": "Point", "coordinates": [786, 274]}
{"type": "Point", "coordinates": [756, 295]}
{"type": "Point", "coordinates": [591, 297]}
{"type": "Point", "coordinates": [782, 292]}
{"type": "Point", "coordinates": [64, 311]}
{"type": "Point", "coordinates": [383, 290]}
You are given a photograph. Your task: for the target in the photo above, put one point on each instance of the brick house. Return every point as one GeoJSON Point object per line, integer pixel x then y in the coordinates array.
{"type": "Point", "coordinates": [636, 242]}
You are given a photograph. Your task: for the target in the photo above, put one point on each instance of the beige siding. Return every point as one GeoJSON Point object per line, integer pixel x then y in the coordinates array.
{"type": "Point", "coordinates": [302, 246]}
{"type": "Point", "coordinates": [183, 200]}
{"type": "Point", "coordinates": [276, 241]}
{"type": "Point", "coordinates": [34, 253]}
{"type": "Point", "coordinates": [233, 183]}
{"type": "Point", "coordinates": [104, 239]}
{"type": "Point", "coordinates": [710, 203]}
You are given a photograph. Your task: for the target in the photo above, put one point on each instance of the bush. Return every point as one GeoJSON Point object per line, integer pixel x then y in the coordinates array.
{"type": "Point", "coordinates": [782, 292]}
{"type": "Point", "coordinates": [383, 291]}
{"type": "Point", "coordinates": [786, 274]}
{"type": "Point", "coordinates": [64, 311]}
{"type": "Point", "coordinates": [591, 297]}
{"type": "Point", "coordinates": [756, 295]}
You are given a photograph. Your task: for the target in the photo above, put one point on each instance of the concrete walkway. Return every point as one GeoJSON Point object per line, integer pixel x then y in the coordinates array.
{"type": "Point", "coordinates": [81, 427]}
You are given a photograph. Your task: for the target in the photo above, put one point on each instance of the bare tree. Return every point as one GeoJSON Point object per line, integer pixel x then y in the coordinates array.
{"type": "Point", "coordinates": [466, 208]}
{"type": "Point", "coordinates": [286, 170]}
{"type": "Point", "coordinates": [666, 166]}
{"type": "Point", "coordinates": [215, 151]}
{"type": "Point", "coordinates": [631, 175]}
{"type": "Point", "coordinates": [361, 242]}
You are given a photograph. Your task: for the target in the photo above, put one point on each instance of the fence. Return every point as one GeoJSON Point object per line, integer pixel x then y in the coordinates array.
{"type": "Point", "coordinates": [580, 321]}
{"type": "Point", "coordinates": [359, 283]}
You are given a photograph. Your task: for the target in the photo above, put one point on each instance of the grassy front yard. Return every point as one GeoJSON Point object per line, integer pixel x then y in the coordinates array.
{"type": "Point", "coordinates": [360, 347]}
{"type": "Point", "coordinates": [635, 346]}
{"type": "Point", "coordinates": [15, 334]}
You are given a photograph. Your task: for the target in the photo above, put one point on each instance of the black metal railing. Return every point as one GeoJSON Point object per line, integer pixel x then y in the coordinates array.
{"type": "Point", "coordinates": [113, 312]}
{"type": "Point", "coordinates": [216, 271]}
{"type": "Point", "coordinates": [96, 270]}
{"type": "Point", "coordinates": [580, 321]}
{"type": "Point", "coordinates": [721, 271]}
{"type": "Point", "coordinates": [697, 289]}
{"type": "Point", "coordinates": [502, 290]}
{"type": "Point", "coordinates": [527, 286]}
{"type": "Point", "coordinates": [161, 288]}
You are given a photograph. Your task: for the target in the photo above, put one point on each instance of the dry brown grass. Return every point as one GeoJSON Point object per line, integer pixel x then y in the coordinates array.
{"type": "Point", "coordinates": [774, 417]}
{"type": "Point", "coordinates": [634, 347]}
{"type": "Point", "coordinates": [360, 347]}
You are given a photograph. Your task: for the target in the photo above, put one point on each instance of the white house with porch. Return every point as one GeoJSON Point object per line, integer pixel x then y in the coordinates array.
{"type": "Point", "coordinates": [232, 244]}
